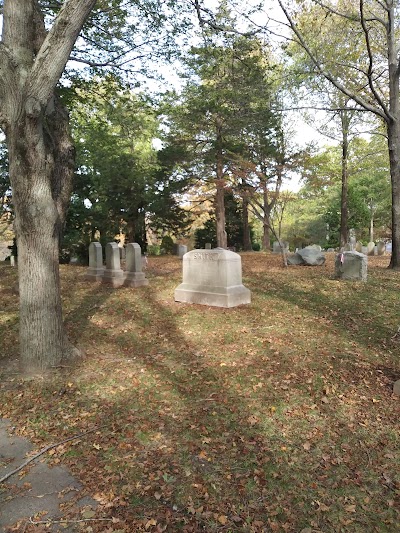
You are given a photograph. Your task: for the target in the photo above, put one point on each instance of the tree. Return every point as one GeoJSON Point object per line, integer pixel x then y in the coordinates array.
{"type": "Point", "coordinates": [41, 163]}
{"type": "Point", "coordinates": [36, 43]}
{"type": "Point", "coordinates": [372, 82]}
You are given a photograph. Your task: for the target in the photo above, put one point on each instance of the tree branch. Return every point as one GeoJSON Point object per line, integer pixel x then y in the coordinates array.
{"type": "Point", "coordinates": [383, 113]}
{"type": "Point", "coordinates": [53, 55]}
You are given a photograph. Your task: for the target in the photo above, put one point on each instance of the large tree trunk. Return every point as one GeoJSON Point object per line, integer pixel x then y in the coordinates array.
{"type": "Point", "coordinates": [41, 171]}
{"type": "Point", "coordinates": [393, 130]}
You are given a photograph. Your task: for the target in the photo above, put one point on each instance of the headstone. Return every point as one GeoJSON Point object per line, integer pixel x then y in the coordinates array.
{"type": "Point", "coordinates": [122, 253]}
{"type": "Point", "coordinates": [13, 260]}
{"type": "Point", "coordinates": [96, 270]}
{"type": "Point", "coordinates": [396, 387]}
{"type": "Point", "coordinates": [329, 250]}
{"type": "Point", "coordinates": [347, 247]}
{"type": "Point", "coordinates": [134, 277]}
{"type": "Point", "coordinates": [276, 249]}
{"type": "Point", "coordinates": [364, 250]}
{"type": "Point", "coordinates": [208, 246]}
{"type": "Point", "coordinates": [351, 266]}
{"type": "Point", "coordinates": [212, 277]}
{"type": "Point", "coordinates": [359, 247]}
{"type": "Point", "coordinates": [113, 273]}
{"type": "Point", "coordinates": [181, 250]}
{"type": "Point", "coordinates": [4, 252]}
{"type": "Point", "coordinates": [380, 248]}
{"type": "Point", "coordinates": [389, 247]}
{"type": "Point", "coordinates": [352, 242]}
{"type": "Point", "coordinates": [371, 248]}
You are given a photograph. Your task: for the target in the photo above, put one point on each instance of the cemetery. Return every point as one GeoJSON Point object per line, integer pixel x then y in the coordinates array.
{"type": "Point", "coordinates": [198, 413]}
{"type": "Point", "coordinates": [199, 266]}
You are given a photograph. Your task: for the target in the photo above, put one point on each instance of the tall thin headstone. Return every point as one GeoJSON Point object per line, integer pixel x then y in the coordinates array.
{"type": "Point", "coordinates": [95, 271]}
{"type": "Point", "coordinates": [113, 273]}
{"type": "Point", "coordinates": [134, 277]}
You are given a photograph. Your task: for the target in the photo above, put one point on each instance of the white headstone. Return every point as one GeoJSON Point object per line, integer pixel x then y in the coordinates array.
{"type": "Point", "coordinates": [380, 248]}
{"type": "Point", "coordinates": [208, 246]}
{"type": "Point", "coordinates": [134, 277]}
{"type": "Point", "coordinates": [96, 270]}
{"type": "Point", "coordinates": [113, 273]}
{"type": "Point", "coordinates": [212, 277]}
{"type": "Point", "coordinates": [351, 265]}
{"type": "Point", "coordinates": [371, 248]}
{"type": "Point", "coordinates": [181, 250]}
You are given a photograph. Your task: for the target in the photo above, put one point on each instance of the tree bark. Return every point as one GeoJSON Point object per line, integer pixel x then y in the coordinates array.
{"type": "Point", "coordinates": [393, 130]}
{"type": "Point", "coordinates": [41, 165]}
{"type": "Point", "coordinates": [222, 240]}
{"type": "Point", "coordinates": [246, 228]}
{"type": "Point", "coordinates": [344, 210]}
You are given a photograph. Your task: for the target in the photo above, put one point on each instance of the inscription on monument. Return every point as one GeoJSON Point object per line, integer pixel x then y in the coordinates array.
{"type": "Point", "coordinates": [206, 256]}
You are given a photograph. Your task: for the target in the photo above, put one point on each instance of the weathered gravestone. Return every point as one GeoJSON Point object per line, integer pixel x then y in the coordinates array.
{"type": "Point", "coordinates": [208, 246]}
{"type": "Point", "coordinates": [181, 250]}
{"type": "Point", "coordinates": [351, 266]}
{"type": "Point", "coordinates": [380, 248]}
{"type": "Point", "coordinates": [96, 269]}
{"type": "Point", "coordinates": [359, 247]}
{"type": "Point", "coordinates": [396, 387]}
{"type": "Point", "coordinates": [371, 248]}
{"type": "Point", "coordinates": [212, 277]}
{"type": "Point", "coordinates": [113, 273]}
{"type": "Point", "coordinates": [134, 277]}
{"type": "Point", "coordinates": [352, 242]}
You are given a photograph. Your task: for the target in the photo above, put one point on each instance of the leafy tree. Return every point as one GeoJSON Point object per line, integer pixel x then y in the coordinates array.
{"type": "Point", "coordinates": [38, 38]}
{"type": "Point", "coordinates": [227, 94]}
{"type": "Point", "coordinates": [372, 81]}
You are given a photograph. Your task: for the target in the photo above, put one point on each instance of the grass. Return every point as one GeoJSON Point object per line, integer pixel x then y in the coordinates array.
{"type": "Point", "coordinates": [276, 416]}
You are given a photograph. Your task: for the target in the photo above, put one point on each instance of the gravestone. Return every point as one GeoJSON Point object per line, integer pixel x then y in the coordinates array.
{"type": "Point", "coordinates": [134, 277]}
{"type": "Point", "coordinates": [212, 277]}
{"type": "Point", "coordinates": [364, 250]}
{"type": "Point", "coordinates": [276, 249]}
{"type": "Point", "coordinates": [351, 266]}
{"type": "Point", "coordinates": [371, 248]}
{"type": "Point", "coordinates": [396, 387]}
{"type": "Point", "coordinates": [113, 273]}
{"type": "Point", "coordinates": [122, 253]}
{"type": "Point", "coordinates": [329, 250]}
{"type": "Point", "coordinates": [208, 246]}
{"type": "Point", "coordinates": [181, 250]}
{"type": "Point", "coordinates": [389, 247]}
{"type": "Point", "coordinates": [359, 247]}
{"type": "Point", "coordinates": [96, 269]}
{"type": "Point", "coordinates": [352, 242]}
{"type": "Point", "coordinates": [380, 248]}
{"type": "Point", "coordinates": [347, 247]}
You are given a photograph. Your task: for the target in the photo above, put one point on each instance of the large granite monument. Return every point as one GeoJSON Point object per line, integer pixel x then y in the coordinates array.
{"type": "Point", "coordinates": [212, 277]}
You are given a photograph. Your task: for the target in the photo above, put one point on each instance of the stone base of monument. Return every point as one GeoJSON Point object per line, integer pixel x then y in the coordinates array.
{"type": "Point", "coordinates": [115, 278]}
{"type": "Point", "coordinates": [212, 277]}
{"type": "Point", "coordinates": [135, 279]}
{"type": "Point", "coordinates": [94, 274]}
{"type": "Point", "coordinates": [217, 297]}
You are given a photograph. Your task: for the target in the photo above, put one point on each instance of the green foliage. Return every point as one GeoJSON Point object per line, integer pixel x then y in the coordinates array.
{"type": "Point", "coordinates": [167, 245]}
{"type": "Point", "coordinates": [234, 226]}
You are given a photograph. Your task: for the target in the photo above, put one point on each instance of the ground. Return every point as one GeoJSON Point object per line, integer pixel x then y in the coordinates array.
{"type": "Point", "coordinates": [275, 416]}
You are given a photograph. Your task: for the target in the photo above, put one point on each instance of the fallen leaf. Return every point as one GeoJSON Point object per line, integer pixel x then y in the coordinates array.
{"type": "Point", "coordinates": [222, 519]}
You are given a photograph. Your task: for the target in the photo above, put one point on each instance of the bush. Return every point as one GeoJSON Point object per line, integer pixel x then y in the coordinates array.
{"type": "Point", "coordinates": [153, 249]}
{"type": "Point", "coordinates": [256, 246]}
{"type": "Point", "coordinates": [167, 245]}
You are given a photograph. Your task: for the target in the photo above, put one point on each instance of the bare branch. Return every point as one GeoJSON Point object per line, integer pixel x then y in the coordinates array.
{"type": "Point", "coordinates": [383, 113]}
